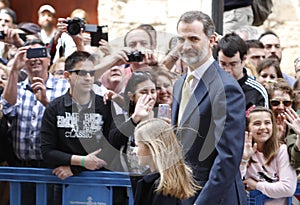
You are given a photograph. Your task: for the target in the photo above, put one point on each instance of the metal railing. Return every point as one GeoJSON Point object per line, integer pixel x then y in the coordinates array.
{"type": "Point", "coordinates": [90, 187]}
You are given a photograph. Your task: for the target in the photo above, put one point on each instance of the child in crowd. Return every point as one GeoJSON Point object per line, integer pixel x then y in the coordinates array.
{"type": "Point", "coordinates": [171, 179]}
{"type": "Point", "coordinates": [265, 165]}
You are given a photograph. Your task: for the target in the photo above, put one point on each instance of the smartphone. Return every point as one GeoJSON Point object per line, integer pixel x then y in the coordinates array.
{"type": "Point", "coordinates": [101, 33]}
{"type": "Point", "coordinates": [163, 110]}
{"type": "Point", "coordinates": [37, 52]}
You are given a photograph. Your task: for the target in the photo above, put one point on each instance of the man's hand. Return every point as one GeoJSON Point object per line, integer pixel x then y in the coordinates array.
{"type": "Point", "coordinates": [12, 37]}
{"type": "Point", "coordinates": [63, 172]}
{"type": "Point", "coordinates": [19, 61]}
{"type": "Point", "coordinates": [92, 162]}
{"type": "Point", "coordinates": [39, 89]}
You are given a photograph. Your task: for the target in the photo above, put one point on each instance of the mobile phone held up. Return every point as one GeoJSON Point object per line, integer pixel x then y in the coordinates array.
{"type": "Point", "coordinates": [101, 33]}
{"type": "Point", "coordinates": [163, 111]}
{"type": "Point", "coordinates": [40, 52]}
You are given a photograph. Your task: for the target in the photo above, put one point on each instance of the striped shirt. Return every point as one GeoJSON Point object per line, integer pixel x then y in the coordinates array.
{"type": "Point", "coordinates": [26, 116]}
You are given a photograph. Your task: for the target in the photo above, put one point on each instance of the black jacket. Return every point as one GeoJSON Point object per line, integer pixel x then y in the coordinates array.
{"type": "Point", "coordinates": [234, 4]}
{"type": "Point", "coordinates": [146, 195]}
{"type": "Point", "coordinates": [66, 131]}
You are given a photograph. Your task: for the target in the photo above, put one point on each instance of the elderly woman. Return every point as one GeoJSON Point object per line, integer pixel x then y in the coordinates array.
{"type": "Point", "coordinates": [281, 97]}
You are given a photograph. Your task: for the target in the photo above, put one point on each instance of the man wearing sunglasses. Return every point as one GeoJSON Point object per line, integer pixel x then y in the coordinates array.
{"type": "Point", "coordinates": [75, 126]}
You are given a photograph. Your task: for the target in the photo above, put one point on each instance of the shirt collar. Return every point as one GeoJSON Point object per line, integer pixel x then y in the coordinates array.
{"type": "Point", "coordinates": [70, 102]}
{"type": "Point", "coordinates": [198, 72]}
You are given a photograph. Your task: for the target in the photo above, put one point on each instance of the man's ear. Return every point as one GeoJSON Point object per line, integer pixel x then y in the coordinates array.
{"type": "Point", "coordinates": [212, 40]}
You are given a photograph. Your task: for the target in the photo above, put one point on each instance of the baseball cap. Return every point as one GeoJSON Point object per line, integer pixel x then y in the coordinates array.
{"type": "Point", "coordinates": [30, 28]}
{"type": "Point", "coordinates": [46, 7]}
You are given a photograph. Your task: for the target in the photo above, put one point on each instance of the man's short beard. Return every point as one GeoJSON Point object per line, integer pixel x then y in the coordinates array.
{"type": "Point", "coordinates": [191, 60]}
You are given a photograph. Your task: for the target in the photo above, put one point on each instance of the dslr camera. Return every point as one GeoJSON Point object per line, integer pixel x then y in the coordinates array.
{"type": "Point", "coordinates": [135, 56]}
{"type": "Point", "coordinates": [75, 25]}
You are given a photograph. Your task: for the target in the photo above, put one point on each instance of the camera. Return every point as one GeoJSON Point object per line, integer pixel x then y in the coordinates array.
{"type": "Point", "coordinates": [100, 33]}
{"type": "Point", "coordinates": [75, 25]}
{"type": "Point", "coordinates": [37, 52]}
{"type": "Point", "coordinates": [135, 56]}
{"type": "Point", "coordinates": [2, 35]}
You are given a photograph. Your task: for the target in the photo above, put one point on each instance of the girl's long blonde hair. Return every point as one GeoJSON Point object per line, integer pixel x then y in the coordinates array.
{"type": "Point", "coordinates": [176, 177]}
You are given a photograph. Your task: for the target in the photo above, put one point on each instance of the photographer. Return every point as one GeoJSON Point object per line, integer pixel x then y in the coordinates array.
{"type": "Point", "coordinates": [74, 34]}
{"type": "Point", "coordinates": [25, 102]}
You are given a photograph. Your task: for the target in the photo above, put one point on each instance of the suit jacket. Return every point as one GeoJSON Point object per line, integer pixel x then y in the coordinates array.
{"type": "Point", "coordinates": [212, 131]}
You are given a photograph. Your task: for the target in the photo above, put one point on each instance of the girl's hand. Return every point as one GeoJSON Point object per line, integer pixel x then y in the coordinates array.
{"type": "Point", "coordinates": [249, 149]}
{"type": "Point", "coordinates": [143, 108]}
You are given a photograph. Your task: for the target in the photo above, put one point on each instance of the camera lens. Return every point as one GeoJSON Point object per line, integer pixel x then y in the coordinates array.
{"type": "Point", "coordinates": [74, 28]}
{"type": "Point", "coordinates": [135, 56]}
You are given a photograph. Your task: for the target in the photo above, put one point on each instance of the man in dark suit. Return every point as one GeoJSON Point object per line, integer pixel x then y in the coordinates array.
{"type": "Point", "coordinates": [211, 127]}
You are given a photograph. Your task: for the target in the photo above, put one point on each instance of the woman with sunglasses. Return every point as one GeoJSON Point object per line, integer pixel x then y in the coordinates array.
{"type": "Point", "coordinates": [281, 97]}
{"type": "Point", "coordinates": [268, 71]}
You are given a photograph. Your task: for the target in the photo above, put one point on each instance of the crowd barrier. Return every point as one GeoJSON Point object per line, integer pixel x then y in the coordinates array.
{"type": "Point", "coordinates": [88, 188]}
{"type": "Point", "coordinates": [255, 197]}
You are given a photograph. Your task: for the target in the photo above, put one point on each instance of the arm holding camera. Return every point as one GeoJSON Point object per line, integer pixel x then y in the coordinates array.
{"type": "Point", "coordinates": [11, 36]}
{"type": "Point", "coordinates": [61, 27]}
{"type": "Point", "coordinates": [104, 47]}
{"type": "Point", "coordinates": [116, 59]}
{"type": "Point", "coordinates": [11, 90]}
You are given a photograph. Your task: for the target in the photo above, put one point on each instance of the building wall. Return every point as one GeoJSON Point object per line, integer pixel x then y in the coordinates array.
{"type": "Point", "coordinates": [123, 15]}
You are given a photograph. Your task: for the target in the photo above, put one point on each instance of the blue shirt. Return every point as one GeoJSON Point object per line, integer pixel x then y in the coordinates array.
{"type": "Point", "coordinates": [27, 115]}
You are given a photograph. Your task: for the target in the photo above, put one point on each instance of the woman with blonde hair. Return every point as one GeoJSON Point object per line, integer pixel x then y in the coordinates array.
{"type": "Point", "coordinates": [171, 179]}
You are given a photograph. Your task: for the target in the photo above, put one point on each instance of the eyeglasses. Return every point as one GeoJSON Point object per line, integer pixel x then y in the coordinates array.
{"type": "Point", "coordinates": [286, 103]}
{"type": "Point", "coordinates": [229, 65]}
{"type": "Point", "coordinates": [82, 72]}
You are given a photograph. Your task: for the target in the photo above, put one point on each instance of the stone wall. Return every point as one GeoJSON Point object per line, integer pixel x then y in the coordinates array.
{"type": "Point", "coordinates": [123, 15]}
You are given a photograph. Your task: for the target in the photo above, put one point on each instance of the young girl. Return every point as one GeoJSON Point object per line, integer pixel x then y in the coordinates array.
{"type": "Point", "coordinates": [265, 165]}
{"type": "Point", "coordinates": [171, 179]}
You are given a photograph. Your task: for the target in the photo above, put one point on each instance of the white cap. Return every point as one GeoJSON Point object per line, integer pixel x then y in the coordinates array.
{"type": "Point", "coordinates": [46, 7]}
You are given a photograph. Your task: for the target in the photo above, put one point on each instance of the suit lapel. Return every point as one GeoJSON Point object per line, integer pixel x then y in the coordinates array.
{"type": "Point", "coordinates": [176, 98]}
{"type": "Point", "coordinates": [199, 93]}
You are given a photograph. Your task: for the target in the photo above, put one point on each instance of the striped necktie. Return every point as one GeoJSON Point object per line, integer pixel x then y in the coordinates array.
{"type": "Point", "coordinates": [185, 96]}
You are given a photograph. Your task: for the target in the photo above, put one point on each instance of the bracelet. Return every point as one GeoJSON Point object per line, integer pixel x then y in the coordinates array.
{"type": "Point", "coordinates": [82, 161]}
{"type": "Point", "coordinates": [135, 124]}
{"type": "Point", "coordinates": [245, 161]}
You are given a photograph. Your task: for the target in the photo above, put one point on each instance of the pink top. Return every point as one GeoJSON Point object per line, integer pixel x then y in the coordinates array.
{"type": "Point", "coordinates": [280, 169]}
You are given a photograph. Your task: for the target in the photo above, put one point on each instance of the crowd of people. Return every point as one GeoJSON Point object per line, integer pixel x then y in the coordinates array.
{"type": "Point", "coordinates": [215, 118]}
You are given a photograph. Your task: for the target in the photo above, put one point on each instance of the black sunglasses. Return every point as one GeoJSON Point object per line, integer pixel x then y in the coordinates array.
{"type": "Point", "coordinates": [286, 103]}
{"type": "Point", "coordinates": [82, 72]}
